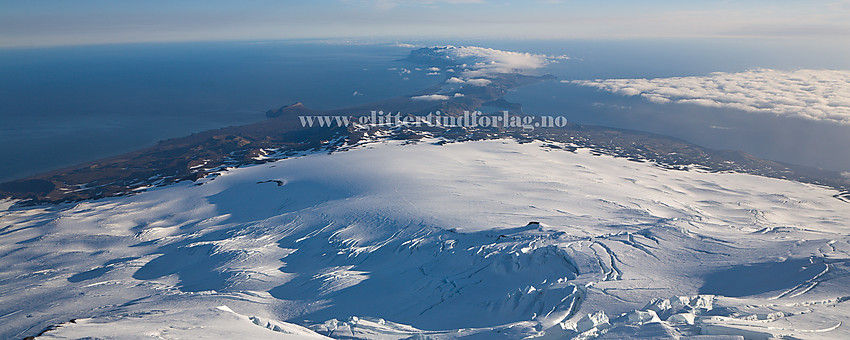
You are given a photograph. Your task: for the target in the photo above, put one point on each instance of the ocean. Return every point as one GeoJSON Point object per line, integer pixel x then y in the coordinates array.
{"type": "Point", "coordinates": [66, 105]}
{"type": "Point", "coordinates": [765, 135]}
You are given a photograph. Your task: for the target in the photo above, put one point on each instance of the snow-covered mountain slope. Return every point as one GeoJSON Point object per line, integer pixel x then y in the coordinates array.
{"type": "Point", "coordinates": [475, 239]}
{"type": "Point", "coordinates": [186, 323]}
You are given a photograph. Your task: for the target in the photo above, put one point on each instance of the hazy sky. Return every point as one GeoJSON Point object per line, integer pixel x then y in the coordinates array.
{"type": "Point", "coordinates": [63, 22]}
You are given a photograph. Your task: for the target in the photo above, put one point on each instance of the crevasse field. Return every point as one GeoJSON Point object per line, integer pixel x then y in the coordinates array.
{"type": "Point", "coordinates": [486, 239]}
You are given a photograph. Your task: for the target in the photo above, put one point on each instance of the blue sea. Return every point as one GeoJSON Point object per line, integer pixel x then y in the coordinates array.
{"type": "Point", "coordinates": [789, 140]}
{"type": "Point", "coordinates": [66, 105]}
{"type": "Point", "coordinates": [63, 106]}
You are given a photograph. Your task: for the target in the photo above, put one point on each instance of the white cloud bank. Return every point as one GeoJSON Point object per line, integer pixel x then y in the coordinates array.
{"type": "Point", "coordinates": [822, 95]}
{"type": "Point", "coordinates": [478, 82]}
{"type": "Point", "coordinates": [404, 45]}
{"type": "Point", "coordinates": [430, 97]}
{"type": "Point", "coordinates": [481, 61]}
{"type": "Point", "coordinates": [473, 81]}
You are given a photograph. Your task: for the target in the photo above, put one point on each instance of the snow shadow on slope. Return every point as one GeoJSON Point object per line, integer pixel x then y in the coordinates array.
{"type": "Point", "coordinates": [99, 271]}
{"type": "Point", "coordinates": [762, 278]}
{"type": "Point", "coordinates": [427, 277]}
{"type": "Point", "coordinates": [199, 263]}
{"type": "Point", "coordinates": [263, 199]}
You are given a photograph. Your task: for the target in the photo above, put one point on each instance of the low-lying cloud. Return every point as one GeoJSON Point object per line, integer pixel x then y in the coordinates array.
{"type": "Point", "coordinates": [472, 81]}
{"type": "Point", "coordinates": [430, 97]}
{"type": "Point", "coordinates": [480, 61]}
{"type": "Point", "coordinates": [822, 95]}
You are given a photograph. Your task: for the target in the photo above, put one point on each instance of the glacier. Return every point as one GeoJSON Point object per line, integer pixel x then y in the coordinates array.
{"type": "Point", "coordinates": [400, 239]}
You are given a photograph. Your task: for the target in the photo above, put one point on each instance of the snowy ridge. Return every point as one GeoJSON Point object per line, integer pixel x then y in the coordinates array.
{"type": "Point", "coordinates": [395, 239]}
{"type": "Point", "coordinates": [196, 323]}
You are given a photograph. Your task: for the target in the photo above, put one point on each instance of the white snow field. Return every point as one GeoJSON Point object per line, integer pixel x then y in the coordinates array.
{"type": "Point", "coordinates": [486, 239]}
